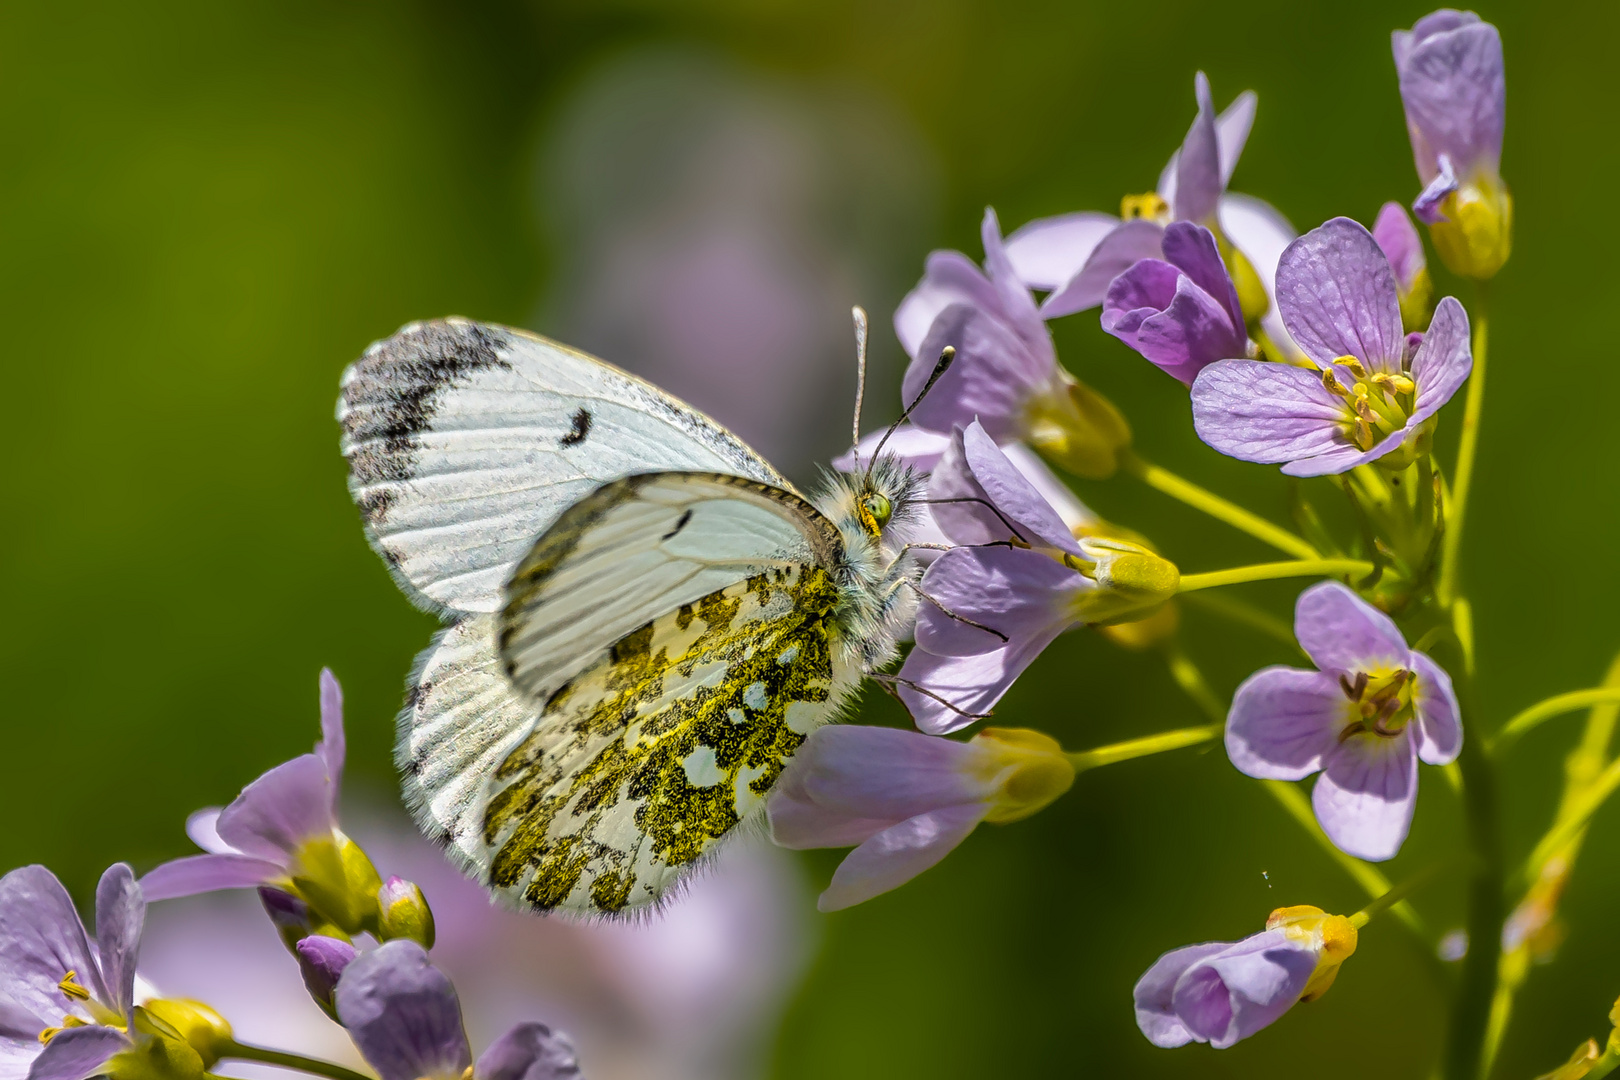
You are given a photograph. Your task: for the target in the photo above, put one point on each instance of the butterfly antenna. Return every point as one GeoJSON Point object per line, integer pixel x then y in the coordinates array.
{"type": "Point", "coordinates": [946, 355]}
{"type": "Point", "coordinates": [860, 374]}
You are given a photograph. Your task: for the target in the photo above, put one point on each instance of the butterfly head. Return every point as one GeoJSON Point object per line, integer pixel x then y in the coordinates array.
{"type": "Point", "coordinates": [878, 503]}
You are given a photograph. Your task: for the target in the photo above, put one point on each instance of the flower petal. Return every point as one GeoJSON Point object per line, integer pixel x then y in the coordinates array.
{"type": "Point", "coordinates": [1398, 238]}
{"type": "Point", "coordinates": [1180, 334]}
{"type": "Point", "coordinates": [919, 448]}
{"type": "Point", "coordinates": [1455, 93]}
{"type": "Point", "coordinates": [993, 374]}
{"type": "Point", "coordinates": [331, 748]}
{"type": "Point", "coordinates": [1191, 249]}
{"type": "Point", "coordinates": [203, 828]}
{"type": "Point", "coordinates": [1444, 360]}
{"type": "Point", "coordinates": [41, 940]}
{"type": "Point", "coordinates": [77, 1053]}
{"type": "Point", "coordinates": [1366, 794]}
{"type": "Point", "coordinates": [1198, 167]}
{"type": "Point", "coordinates": [1012, 493]}
{"type": "Point", "coordinates": [1427, 205]}
{"type": "Point", "coordinates": [1268, 413]}
{"type": "Point", "coordinates": [961, 688]}
{"type": "Point", "coordinates": [322, 961]}
{"type": "Point", "coordinates": [1232, 132]}
{"type": "Point", "coordinates": [1337, 296]}
{"type": "Point", "coordinates": [529, 1051]}
{"type": "Point", "coordinates": [798, 822]}
{"type": "Point", "coordinates": [1341, 632]}
{"type": "Point", "coordinates": [280, 810]}
{"type": "Point", "coordinates": [1074, 513]}
{"type": "Point", "coordinates": [1229, 996]}
{"type": "Point", "coordinates": [1439, 719]}
{"type": "Point", "coordinates": [1283, 721]}
{"type": "Point", "coordinates": [208, 873]}
{"type": "Point", "coordinates": [1013, 594]}
{"type": "Point", "coordinates": [1262, 234]}
{"type": "Point", "coordinates": [120, 914]}
{"type": "Point", "coordinates": [1017, 306]}
{"type": "Point", "coordinates": [1155, 1014]}
{"type": "Point", "coordinates": [1049, 251]}
{"type": "Point", "coordinates": [898, 854]}
{"type": "Point", "coordinates": [857, 770]}
{"type": "Point", "coordinates": [403, 1014]}
{"type": "Point", "coordinates": [949, 277]}
{"type": "Point", "coordinates": [1114, 254]}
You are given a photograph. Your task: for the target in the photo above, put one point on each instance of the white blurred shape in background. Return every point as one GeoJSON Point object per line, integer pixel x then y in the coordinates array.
{"type": "Point", "coordinates": [694, 993]}
{"type": "Point", "coordinates": [711, 229]}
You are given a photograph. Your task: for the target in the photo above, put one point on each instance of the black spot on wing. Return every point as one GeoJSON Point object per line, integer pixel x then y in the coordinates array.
{"type": "Point", "coordinates": [679, 525]}
{"type": "Point", "coordinates": [582, 428]}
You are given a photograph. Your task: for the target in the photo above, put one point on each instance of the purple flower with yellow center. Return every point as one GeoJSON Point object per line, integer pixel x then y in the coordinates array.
{"type": "Point", "coordinates": [1222, 992]}
{"type": "Point", "coordinates": [1399, 241]}
{"type": "Point", "coordinates": [405, 1019]}
{"type": "Point", "coordinates": [1019, 579]}
{"type": "Point", "coordinates": [1005, 372]}
{"type": "Point", "coordinates": [282, 834]}
{"type": "Point", "coordinates": [906, 799]}
{"type": "Point", "coordinates": [1455, 94]}
{"type": "Point", "coordinates": [1371, 393]}
{"type": "Point", "coordinates": [66, 1002]}
{"type": "Point", "coordinates": [1363, 719]}
{"type": "Point", "coordinates": [1180, 312]}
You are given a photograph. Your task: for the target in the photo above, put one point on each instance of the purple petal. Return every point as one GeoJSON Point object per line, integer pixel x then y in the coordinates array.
{"type": "Point", "coordinates": [1017, 306]}
{"type": "Point", "coordinates": [1268, 413]}
{"type": "Point", "coordinates": [798, 822]}
{"type": "Point", "coordinates": [322, 961]}
{"type": "Point", "coordinates": [1398, 239]}
{"type": "Point", "coordinates": [1191, 249]}
{"type": "Point", "coordinates": [949, 278]}
{"type": "Point", "coordinates": [1366, 794]}
{"type": "Point", "coordinates": [1338, 298]}
{"type": "Point", "coordinates": [1012, 493]}
{"type": "Point", "coordinates": [403, 1014]}
{"type": "Point", "coordinates": [77, 1053]}
{"type": "Point", "coordinates": [1283, 721]}
{"type": "Point", "coordinates": [1198, 170]}
{"type": "Point", "coordinates": [1455, 93]}
{"type": "Point", "coordinates": [1155, 1014]}
{"type": "Point", "coordinates": [41, 940]}
{"type": "Point", "coordinates": [1114, 254]}
{"type": "Point", "coordinates": [1018, 593]}
{"type": "Point", "coordinates": [898, 854]}
{"type": "Point", "coordinates": [203, 828]}
{"type": "Point", "coordinates": [1439, 719]}
{"type": "Point", "coordinates": [1232, 132]}
{"type": "Point", "coordinates": [1173, 323]}
{"type": "Point", "coordinates": [280, 810]}
{"type": "Point", "coordinates": [878, 773]}
{"type": "Point", "coordinates": [959, 503]}
{"type": "Point", "coordinates": [529, 1051]}
{"type": "Point", "coordinates": [993, 375]}
{"type": "Point", "coordinates": [961, 687]}
{"type": "Point", "coordinates": [1070, 510]}
{"type": "Point", "coordinates": [1262, 234]}
{"type": "Point", "coordinates": [1341, 632]}
{"type": "Point", "coordinates": [208, 873]}
{"type": "Point", "coordinates": [1427, 204]}
{"type": "Point", "coordinates": [1229, 996]}
{"type": "Point", "coordinates": [913, 445]}
{"type": "Point", "coordinates": [120, 913]}
{"type": "Point", "coordinates": [1049, 251]}
{"type": "Point", "coordinates": [1443, 362]}
{"type": "Point", "coordinates": [331, 748]}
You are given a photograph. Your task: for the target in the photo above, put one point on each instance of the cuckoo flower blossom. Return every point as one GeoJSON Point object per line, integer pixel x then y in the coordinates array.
{"type": "Point", "coordinates": [906, 799]}
{"type": "Point", "coordinates": [1371, 394]}
{"type": "Point", "coordinates": [1363, 719]}
{"type": "Point", "coordinates": [282, 832]}
{"type": "Point", "coordinates": [1455, 93]}
{"type": "Point", "coordinates": [1020, 579]}
{"type": "Point", "coordinates": [66, 1003]}
{"type": "Point", "coordinates": [1005, 372]}
{"type": "Point", "coordinates": [405, 1019]}
{"type": "Point", "coordinates": [1222, 992]}
{"type": "Point", "coordinates": [1180, 312]}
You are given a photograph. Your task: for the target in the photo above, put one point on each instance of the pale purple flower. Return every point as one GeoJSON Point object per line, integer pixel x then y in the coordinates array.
{"type": "Point", "coordinates": [1222, 992]}
{"type": "Point", "coordinates": [1369, 397]}
{"type": "Point", "coordinates": [1019, 580]}
{"type": "Point", "coordinates": [1455, 94]}
{"type": "Point", "coordinates": [1180, 312]}
{"type": "Point", "coordinates": [905, 799]}
{"type": "Point", "coordinates": [1363, 719]}
{"type": "Point", "coordinates": [66, 1001]}
{"type": "Point", "coordinates": [261, 837]}
{"type": "Point", "coordinates": [1398, 239]}
{"type": "Point", "coordinates": [404, 1016]}
{"type": "Point", "coordinates": [321, 961]}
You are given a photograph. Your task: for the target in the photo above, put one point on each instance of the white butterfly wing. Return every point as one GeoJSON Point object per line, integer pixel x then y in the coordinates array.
{"type": "Point", "coordinates": [466, 440]}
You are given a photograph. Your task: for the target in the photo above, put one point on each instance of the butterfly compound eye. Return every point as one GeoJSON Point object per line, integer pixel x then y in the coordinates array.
{"type": "Point", "coordinates": [878, 508]}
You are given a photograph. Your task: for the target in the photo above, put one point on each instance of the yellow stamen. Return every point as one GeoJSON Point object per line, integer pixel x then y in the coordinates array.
{"type": "Point", "coordinates": [1149, 206]}
{"type": "Point", "coordinates": [71, 989]}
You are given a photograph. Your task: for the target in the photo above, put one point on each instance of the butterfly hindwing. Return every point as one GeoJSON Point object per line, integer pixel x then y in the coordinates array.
{"type": "Point", "coordinates": [466, 440]}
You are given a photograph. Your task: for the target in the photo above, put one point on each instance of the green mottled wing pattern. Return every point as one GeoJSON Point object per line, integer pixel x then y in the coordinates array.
{"type": "Point", "coordinates": [642, 762]}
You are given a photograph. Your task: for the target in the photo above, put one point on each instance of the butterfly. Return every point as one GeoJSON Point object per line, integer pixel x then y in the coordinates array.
{"type": "Point", "coordinates": [645, 619]}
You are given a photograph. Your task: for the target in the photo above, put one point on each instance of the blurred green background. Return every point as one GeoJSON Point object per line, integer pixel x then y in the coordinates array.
{"type": "Point", "coordinates": [207, 210]}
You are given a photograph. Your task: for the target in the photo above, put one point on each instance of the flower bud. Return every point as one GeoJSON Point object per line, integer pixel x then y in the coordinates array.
{"type": "Point", "coordinates": [1132, 581]}
{"type": "Point", "coordinates": [1475, 235]}
{"type": "Point", "coordinates": [162, 1054]}
{"type": "Point", "coordinates": [1332, 936]}
{"type": "Point", "coordinates": [1031, 768]}
{"type": "Point", "coordinates": [293, 919]}
{"type": "Point", "coordinates": [321, 961]}
{"type": "Point", "coordinates": [336, 878]}
{"type": "Point", "coordinates": [203, 1029]}
{"type": "Point", "coordinates": [403, 912]}
{"type": "Point", "coordinates": [1077, 427]}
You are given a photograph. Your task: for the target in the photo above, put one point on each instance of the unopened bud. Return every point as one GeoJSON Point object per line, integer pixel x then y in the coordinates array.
{"type": "Point", "coordinates": [321, 961]}
{"type": "Point", "coordinates": [162, 1055]}
{"type": "Point", "coordinates": [1132, 582]}
{"type": "Point", "coordinates": [1476, 237]}
{"type": "Point", "coordinates": [403, 912]}
{"type": "Point", "coordinates": [1332, 936]}
{"type": "Point", "coordinates": [336, 878]}
{"type": "Point", "coordinates": [203, 1029]}
{"type": "Point", "coordinates": [1078, 428]}
{"type": "Point", "coordinates": [1031, 768]}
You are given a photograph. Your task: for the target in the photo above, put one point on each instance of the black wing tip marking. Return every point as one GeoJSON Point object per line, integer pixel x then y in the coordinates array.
{"type": "Point", "coordinates": [582, 428]}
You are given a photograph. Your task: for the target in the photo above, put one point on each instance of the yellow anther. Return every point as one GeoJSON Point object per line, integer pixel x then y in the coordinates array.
{"type": "Point", "coordinates": [1399, 384]}
{"type": "Point", "coordinates": [1332, 384]}
{"type": "Point", "coordinates": [71, 989]}
{"type": "Point", "coordinates": [48, 1034]}
{"type": "Point", "coordinates": [1355, 366]}
{"type": "Point", "coordinates": [1149, 206]}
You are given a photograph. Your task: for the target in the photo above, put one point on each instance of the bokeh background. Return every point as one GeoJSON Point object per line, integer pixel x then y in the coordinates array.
{"type": "Point", "coordinates": [207, 210]}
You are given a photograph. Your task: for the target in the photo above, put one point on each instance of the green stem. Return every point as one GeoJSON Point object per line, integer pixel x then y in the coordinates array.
{"type": "Point", "coordinates": [1543, 711]}
{"type": "Point", "coordinates": [291, 1061]}
{"type": "Point", "coordinates": [1148, 744]}
{"type": "Point", "coordinates": [1394, 896]}
{"type": "Point", "coordinates": [1457, 511]}
{"type": "Point", "coordinates": [1216, 507]}
{"type": "Point", "coordinates": [1269, 571]}
{"type": "Point", "coordinates": [1575, 817]}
